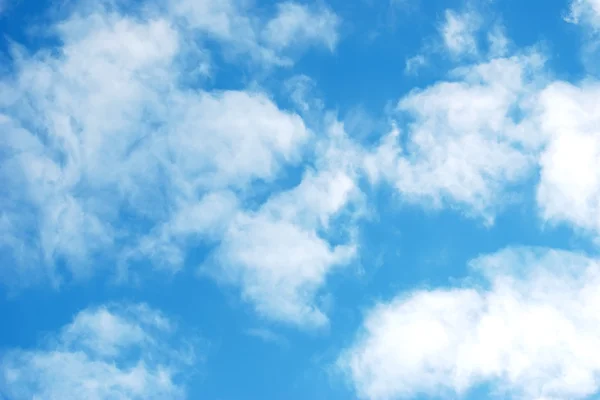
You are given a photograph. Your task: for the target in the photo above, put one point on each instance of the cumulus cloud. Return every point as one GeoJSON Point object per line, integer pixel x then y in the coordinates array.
{"type": "Point", "coordinates": [280, 254]}
{"type": "Point", "coordinates": [569, 187]}
{"type": "Point", "coordinates": [530, 329]}
{"type": "Point", "coordinates": [117, 351]}
{"type": "Point", "coordinates": [127, 139]}
{"type": "Point", "coordinates": [70, 121]}
{"type": "Point", "coordinates": [463, 143]}
{"type": "Point", "coordinates": [111, 158]}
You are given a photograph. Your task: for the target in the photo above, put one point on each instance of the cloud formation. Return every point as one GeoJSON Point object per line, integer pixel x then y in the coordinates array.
{"type": "Point", "coordinates": [117, 351]}
{"type": "Point", "coordinates": [280, 253]}
{"type": "Point", "coordinates": [119, 156]}
{"type": "Point", "coordinates": [463, 144]}
{"type": "Point", "coordinates": [585, 12]}
{"type": "Point", "coordinates": [569, 187]}
{"type": "Point", "coordinates": [112, 159]}
{"type": "Point", "coordinates": [530, 328]}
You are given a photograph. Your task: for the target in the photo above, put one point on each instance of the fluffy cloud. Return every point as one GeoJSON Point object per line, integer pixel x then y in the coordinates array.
{"type": "Point", "coordinates": [111, 158]}
{"type": "Point", "coordinates": [530, 329]}
{"type": "Point", "coordinates": [569, 187]}
{"type": "Point", "coordinates": [464, 143]}
{"type": "Point", "coordinates": [70, 122]}
{"type": "Point", "coordinates": [104, 127]}
{"type": "Point", "coordinates": [280, 254]}
{"type": "Point", "coordinates": [105, 352]}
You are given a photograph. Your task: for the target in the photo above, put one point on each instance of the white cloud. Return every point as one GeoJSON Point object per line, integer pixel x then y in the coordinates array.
{"type": "Point", "coordinates": [280, 254]}
{"type": "Point", "coordinates": [463, 35]}
{"type": "Point", "coordinates": [531, 330]}
{"type": "Point", "coordinates": [102, 126]}
{"type": "Point", "coordinates": [569, 187]}
{"type": "Point", "coordinates": [70, 122]}
{"type": "Point", "coordinates": [458, 32]}
{"type": "Point", "coordinates": [113, 160]}
{"type": "Point", "coordinates": [280, 266]}
{"type": "Point", "coordinates": [201, 220]}
{"type": "Point", "coordinates": [584, 11]}
{"type": "Point", "coordinates": [297, 24]}
{"type": "Point", "coordinates": [245, 136]}
{"type": "Point", "coordinates": [586, 14]}
{"type": "Point", "coordinates": [463, 145]}
{"type": "Point", "coordinates": [106, 352]}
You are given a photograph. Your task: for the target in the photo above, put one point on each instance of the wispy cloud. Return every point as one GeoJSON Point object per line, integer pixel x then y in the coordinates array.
{"type": "Point", "coordinates": [280, 254]}
{"type": "Point", "coordinates": [415, 63]}
{"type": "Point", "coordinates": [458, 32]}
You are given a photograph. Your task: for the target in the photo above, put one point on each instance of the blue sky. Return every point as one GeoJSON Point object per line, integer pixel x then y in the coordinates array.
{"type": "Point", "coordinates": [231, 199]}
